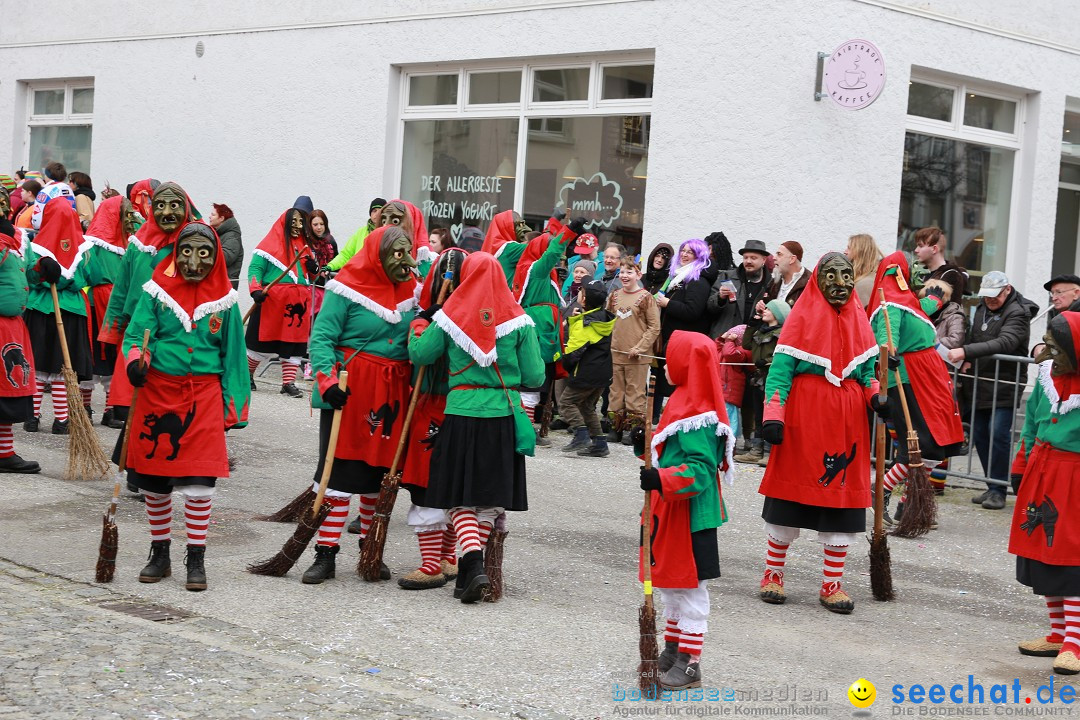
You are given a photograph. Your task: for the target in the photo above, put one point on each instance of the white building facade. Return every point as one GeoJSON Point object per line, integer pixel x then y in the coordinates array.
{"type": "Point", "coordinates": [659, 119]}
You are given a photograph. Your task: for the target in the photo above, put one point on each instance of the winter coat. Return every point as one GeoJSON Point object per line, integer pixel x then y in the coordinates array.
{"type": "Point", "coordinates": [761, 344]}
{"type": "Point", "coordinates": [733, 377]}
{"type": "Point", "coordinates": [588, 357]}
{"type": "Point", "coordinates": [686, 309]}
{"type": "Point", "coordinates": [84, 205]}
{"type": "Point", "coordinates": [773, 290]}
{"type": "Point", "coordinates": [1075, 307]}
{"type": "Point", "coordinates": [233, 247]}
{"type": "Point", "coordinates": [1004, 332]}
{"type": "Point", "coordinates": [727, 314]}
{"type": "Point", "coordinates": [951, 324]}
{"type": "Point", "coordinates": [653, 279]}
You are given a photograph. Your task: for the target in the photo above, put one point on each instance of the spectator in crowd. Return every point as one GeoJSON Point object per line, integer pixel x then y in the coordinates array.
{"type": "Point", "coordinates": [325, 248]}
{"type": "Point", "coordinates": [353, 244]}
{"type": "Point", "coordinates": [656, 268]}
{"type": "Point", "coordinates": [232, 246]}
{"type": "Point", "coordinates": [581, 275]}
{"type": "Point", "coordinates": [865, 256]}
{"type": "Point", "coordinates": [736, 292]}
{"type": "Point", "coordinates": [1064, 294]}
{"type": "Point", "coordinates": [54, 187]}
{"type": "Point", "coordinates": [930, 247]}
{"type": "Point", "coordinates": [719, 251]}
{"type": "Point", "coordinates": [472, 238]}
{"type": "Point", "coordinates": [83, 188]}
{"type": "Point", "coordinates": [587, 360]}
{"type": "Point", "coordinates": [761, 342]}
{"type": "Point", "coordinates": [1000, 327]}
{"type": "Point", "coordinates": [613, 255]}
{"type": "Point", "coordinates": [439, 239]}
{"type": "Point", "coordinates": [28, 191]}
{"type": "Point", "coordinates": [950, 320]}
{"type": "Point", "coordinates": [789, 277]}
{"type": "Point", "coordinates": [586, 248]}
{"type": "Point", "coordinates": [734, 359]}
{"type": "Point", "coordinates": [637, 327]}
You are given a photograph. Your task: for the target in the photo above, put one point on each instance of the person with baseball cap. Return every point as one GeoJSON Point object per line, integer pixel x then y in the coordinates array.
{"type": "Point", "coordinates": [586, 247]}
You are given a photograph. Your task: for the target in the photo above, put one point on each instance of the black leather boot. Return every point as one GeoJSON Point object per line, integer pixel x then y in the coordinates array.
{"type": "Point", "coordinates": [323, 567]}
{"type": "Point", "coordinates": [196, 571]}
{"type": "Point", "coordinates": [683, 674]}
{"type": "Point", "coordinates": [459, 581]}
{"type": "Point", "coordinates": [160, 566]}
{"type": "Point", "coordinates": [473, 580]}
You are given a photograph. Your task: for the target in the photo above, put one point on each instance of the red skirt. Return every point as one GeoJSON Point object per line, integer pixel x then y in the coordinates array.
{"type": "Point", "coordinates": [372, 419]}
{"type": "Point", "coordinates": [1042, 527]}
{"type": "Point", "coordinates": [934, 392]}
{"type": "Point", "coordinates": [825, 457]}
{"type": "Point", "coordinates": [18, 380]}
{"type": "Point", "coordinates": [426, 421]}
{"type": "Point", "coordinates": [120, 388]}
{"type": "Point", "coordinates": [285, 315]}
{"type": "Point", "coordinates": [178, 427]}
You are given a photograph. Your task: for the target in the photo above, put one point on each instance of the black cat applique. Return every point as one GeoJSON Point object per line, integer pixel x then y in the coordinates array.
{"type": "Point", "coordinates": [834, 465]}
{"type": "Point", "coordinates": [384, 418]}
{"type": "Point", "coordinates": [169, 425]}
{"type": "Point", "coordinates": [1045, 514]}
{"type": "Point", "coordinates": [428, 441]}
{"type": "Point", "coordinates": [14, 357]}
{"type": "Point", "coordinates": [295, 311]}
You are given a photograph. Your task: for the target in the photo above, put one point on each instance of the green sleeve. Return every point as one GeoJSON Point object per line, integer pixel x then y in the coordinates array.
{"type": "Point", "coordinates": [781, 374]}
{"type": "Point", "coordinates": [352, 246]}
{"type": "Point", "coordinates": [257, 272]}
{"type": "Point", "coordinates": [235, 381]}
{"type": "Point", "coordinates": [432, 345]}
{"type": "Point", "coordinates": [93, 268]}
{"type": "Point", "coordinates": [329, 326]}
{"type": "Point", "coordinates": [115, 318]}
{"type": "Point", "coordinates": [1032, 413]}
{"type": "Point", "coordinates": [688, 464]}
{"type": "Point", "coordinates": [144, 318]}
{"type": "Point", "coordinates": [864, 374]}
{"type": "Point", "coordinates": [530, 362]}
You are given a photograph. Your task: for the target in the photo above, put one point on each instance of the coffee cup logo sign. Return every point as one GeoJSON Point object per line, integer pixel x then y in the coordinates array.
{"type": "Point", "coordinates": [854, 74]}
{"type": "Point", "coordinates": [598, 199]}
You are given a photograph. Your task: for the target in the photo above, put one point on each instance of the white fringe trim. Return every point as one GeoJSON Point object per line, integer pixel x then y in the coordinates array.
{"type": "Point", "coordinates": [66, 272]}
{"type": "Point", "coordinates": [902, 308]}
{"type": "Point", "coordinates": [696, 422]}
{"type": "Point", "coordinates": [105, 245]}
{"type": "Point", "coordinates": [1047, 382]}
{"type": "Point", "coordinates": [157, 292]}
{"type": "Point", "coordinates": [824, 363]}
{"type": "Point", "coordinates": [150, 249]}
{"type": "Point", "coordinates": [463, 341]}
{"type": "Point", "coordinates": [384, 313]}
{"type": "Point", "coordinates": [276, 263]}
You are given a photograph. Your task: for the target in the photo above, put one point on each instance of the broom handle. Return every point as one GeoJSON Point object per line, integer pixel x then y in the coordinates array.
{"type": "Point", "coordinates": [60, 327]}
{"type": "Point", "coordinates": [274, 282]}
{"type": "Point", "coordinates": [879, 445]}
{"type": "Point", "coordinates": [121, 465]}
{"type": "Point", "coordinates": [331, 448]}
{"type": "Point", "coordinates": [646, 536]}
{"type": "Point", "coordinates": [892, 351]}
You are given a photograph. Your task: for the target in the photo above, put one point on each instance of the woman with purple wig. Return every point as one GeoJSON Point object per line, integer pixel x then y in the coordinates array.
{"type": "Point", "coordinates": [682, 301]}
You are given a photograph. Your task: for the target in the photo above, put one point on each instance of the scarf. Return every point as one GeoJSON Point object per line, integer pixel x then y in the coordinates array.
{"type": "Point", "coordinates": [280, 249]}
{"type": "Point", "coordinates": [192, 301]}
{"type": "Point", "coordinates": [481, 309]}
{"type": "Point", "coordinates": [363, 280]}
{"type": "Point", "coordinates": [838, 341]}
{"type": "Point", "coordinates": [698, 399]}
{"type": "Point", "coordinates": [61, 237]}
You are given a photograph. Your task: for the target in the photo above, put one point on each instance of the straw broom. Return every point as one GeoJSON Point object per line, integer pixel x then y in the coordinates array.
{"type": "Point", "coordinates": [920, 508]}
{"type": "Point", "coordinates": [110, 534]}
{"type": "Point", "coordinates": [86, 459]}
{"type": "Point", "coordinates": [309, 524]}
{"type": "Point", "coordinates": [293, 510]}
{"type": "Point", "coordinates": [648, 671]}
{"type": "Point", "coordinates": [369, 566]}
{"type": "Point", "coordinates": [880, 563]}
{"type": "Point", "coordinates": [493, 557]}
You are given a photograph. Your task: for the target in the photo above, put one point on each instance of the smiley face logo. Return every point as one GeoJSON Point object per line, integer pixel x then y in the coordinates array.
{"type": "Point", "coordinates": [862, 693]}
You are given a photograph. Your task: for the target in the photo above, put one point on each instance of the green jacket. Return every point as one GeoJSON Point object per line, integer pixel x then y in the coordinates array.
{"type": "Point", "coordinates": [1043, 421]}
{"type": "Point", "coordinates": [477, 391]}
{"type": "Point", "coordinates": [136, 268]}
{"type": "Point", "coordinates": [688, 471]}
{"type": "Point", "coordinates": [175, 351]}
{"type": "Point", "coordinates": [508, 257]}
{"type": "Point", "coordinates": [784, 368]}
{"type": "Point", "coordinates": [14, 289]}
{"type": "Point", "coordinates": [68, 287]}
{"type": "Point", "coordinates": [352, 246]}
{"type": "Point", "coordinates": [542, 301]}
{"type": "Point", "coordinates": [910, 332]}
{"type": "Point", "coordinates": [262, 271]}
{"type": "Point", "coordinates": [107, 262]}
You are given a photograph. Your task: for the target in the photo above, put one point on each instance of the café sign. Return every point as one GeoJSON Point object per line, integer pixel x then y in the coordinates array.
{"type": "Point", "coordinates": [854, 75]}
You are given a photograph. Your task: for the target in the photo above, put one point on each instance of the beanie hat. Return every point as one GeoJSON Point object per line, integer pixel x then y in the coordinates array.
{"type": "Point", "coordinates": [794, 248]}
{"type": "Point", "coordinates": [588, 265]}
{"type": "Point", "coordinates": [779, 309]}
{"type": "Point", "coordinates": [376, 204]}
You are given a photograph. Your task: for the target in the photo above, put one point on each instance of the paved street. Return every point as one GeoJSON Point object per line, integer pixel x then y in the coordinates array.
{"type": "Point", "coordinates": [563, 635]}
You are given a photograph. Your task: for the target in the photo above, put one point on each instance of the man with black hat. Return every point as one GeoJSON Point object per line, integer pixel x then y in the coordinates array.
{"type": "Point", "coordinates": [1064, 294]}
{"type": "Point", "coordinates": [353, 244]}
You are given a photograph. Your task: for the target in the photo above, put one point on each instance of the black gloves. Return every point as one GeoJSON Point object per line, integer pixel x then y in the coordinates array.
{"type": "Point", "coordinates": [577, 225]}
{"type": "Point", "coordinates": [880, 406]}
{"type": "Point", "coordinates": [49, 269]}
{"type": "Point", "coordinates": [935, 292]}
{"type": "Point", "coordinates": [311, 265]}
{"type": "Point", "coordinates": [650, 479]}
{"type": "Point", "coordinates": [258, 296]}
{"type": "Point", "coordinates": [761, 363]}
{"type": "Point", "coordinates": [1014, 480]}
{"type": "Point", "coordinates": [136, 373]}
{"type": "Point", "coordinates": [335, 397]}
{"type": "Point", "coordinates": [637, 439]}
{"type": "Point", "coordinates": [559, 213]}
{"type": "Point", "coordinates": [772, 432]}
{"type": "Point", "coordinates": [429, 313]}
{"type": "Point", "coordinates": [894, 362]}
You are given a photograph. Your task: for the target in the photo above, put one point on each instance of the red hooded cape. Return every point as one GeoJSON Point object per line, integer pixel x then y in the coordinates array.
{"type": "Point", "coordinates": [150, 237]}
{"type": "Point", "coordinates": [281, 250]}
{"type": "Point", "coordinates": [500, 232]}
{"type": "Point", "coordinates": [61, 237]}
{"type": "Point", "coordinates": [1066, 386]}
{"type": "Point", "coordinates": [107, 228]}
{"type": "Point", "coordinates": [481, 309]}
{"type": "Point", "coordinates": [894, 277]}
{"type": "Point", "coordinates": [421, 246]}
{"type": "Point", "coordinates": [363, 280]}
{"type": "Point", "coordinates": [192, 301]}
{"type": "Point", "coordinates": [533, 250]}
{"type": "Point", "coordinates": [426, 291]}
{"type": "Point", "coordinates": [815, 332]}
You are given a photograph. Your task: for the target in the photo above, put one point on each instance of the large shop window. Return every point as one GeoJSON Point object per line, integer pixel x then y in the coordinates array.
{"type": "Point", "coordinates": [959, 157]}
{"type": "Point", "coordinates": [60, 124]}
{"type": "Point", "coordinates": [530, 138]}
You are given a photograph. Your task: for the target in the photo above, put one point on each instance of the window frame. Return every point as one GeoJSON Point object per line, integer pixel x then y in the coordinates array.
{"type": "Point", "coordinates": [66, 119]}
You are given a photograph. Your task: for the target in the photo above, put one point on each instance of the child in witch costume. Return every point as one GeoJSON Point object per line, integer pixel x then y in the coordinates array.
{"type": "Point", "coordinates": [281, 322]}
{"type": "Point", "coordinates": [477, 467]}
{"type": "Point", "coordinates": [192, 388]}
{"type": "Point", "coordinates": [363, 327]}
{"type": "Point", "coordinates": [691, 446]}
{"type": "Point", "coordinates": [1044, 473]}
{"type": "Point", "coordinates": [57, 256]}
{"type": "Point", "coordinates": [18, 385]}
{"type": "Point", "coordinates": [438, 552]}
{"type": "Point", "coordinates": [819, 385]}
{"type": "Point", "coordinates": [926, 383]}
{"type": "Point", "coordinates": [108, 232]}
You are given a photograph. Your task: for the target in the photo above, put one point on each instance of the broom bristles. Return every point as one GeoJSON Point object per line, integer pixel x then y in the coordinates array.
{"type": "Point", "coordinates": [493, 560]}
{"type": "Point", "coordinates": [293, 510]}
{"type": "Point", "coordinates": [294, 547]}
{"type": "Point", "coordinates": [880, 568]}
{"type": "Point", "coordinates": [110, 541]}
{"type": "Point", "coordinates": [371, 550]}
{"type": "Point", "coordinates": [86, 459]}
{"type": "Point", "coordinates": [648, 669]}
{"type": "Point", "coordinates": [920, 506]}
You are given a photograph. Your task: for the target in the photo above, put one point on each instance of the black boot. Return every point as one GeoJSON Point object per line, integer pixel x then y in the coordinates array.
{"type": "Point", "coordinates": [196, 571]}
{"type": "Point", "coordinates": [160, 566]}
{"type": "Point", "coordinates": [60, 427]}
{"type": "Point", "coordinates": [291, 390]}
{"type": "Point", "coordinates": [598, 448]}
{"type": "Point", "coordinates": [683, 674]}
{"type": "Point", "coordinates": [473, 580]}
{"type": "Point", "coordinates": [110, 420]}
{"type": "Point", "coordinates": [323, 567]}
{"type": "Point", "coordinates": [459, 582]}
{"type": "Point", "coordinates": [33, 424]}
{"type": "Point", "coordinates": [668, 656]}
{"type": "Point", "coordinates": [581, 440]}
{"type": "Point", "coordinates": [15, 464]}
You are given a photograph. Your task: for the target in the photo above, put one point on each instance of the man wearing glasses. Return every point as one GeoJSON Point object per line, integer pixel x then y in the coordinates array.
{"type": "Point", "coordinates": [1064, 294]}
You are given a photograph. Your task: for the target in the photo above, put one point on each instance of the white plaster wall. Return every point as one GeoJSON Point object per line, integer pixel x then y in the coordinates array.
{"type": "Point", "coordinates": [738, 142]}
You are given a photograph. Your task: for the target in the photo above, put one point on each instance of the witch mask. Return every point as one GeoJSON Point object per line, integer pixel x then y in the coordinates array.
{"type": "Point", "coordinates": [395, 253]}
{"type": "Point", "coordinates": [1058, 347]}
{"type": "Point", "coordinates": [195, 256]}
{"type": "Point", "coordinates": [169, 207]}
{"type": "Point", "coordinates": [836, 279]}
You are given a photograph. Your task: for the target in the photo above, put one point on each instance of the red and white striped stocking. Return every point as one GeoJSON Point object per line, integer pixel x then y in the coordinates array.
{"type": "Point", "coordinates": [288, 372]}
{"type": "Point", "coordinates": [7, 441]}
{"type": "Point", "coordinates": [1072, 625]}
{"type": "Point", "coordinates": [449, 544]}
{"type": "Point", "coordinates": [39, 393]}
{"type": "Point", "coordinates": [690, 643]}
{"type": "Point", "coordinates": [367, 511]}
{"type": "Point", "coordinates": [159, 511]}
{"type": "Point", "coordinates": [253, 365]}
{"type": "Point", "coordinates": [330, 530]}
{"type": "Point", "coordinates": [430, 551]}
{"type": "Point", "coordinates": [87, 394]}
{"type": "Point", "coordinates": [892, 478]}
{"type": "Point", "coordinates": [835, 555]}
{"type": "Point", "coordinates": [59, 400]}
{"type": "Point", "coordinates": [775, 559]}
{"type": "Point", "coordinates": [197, 519]}
{"type": "Point", "coordinates": [671, 631]}
{"type": "Point", "coordinates": [467, 529]}
{"type": "Point", "coordinates": [484, 531]}
{"type": "Point", "coordinates": [1055, 604]}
